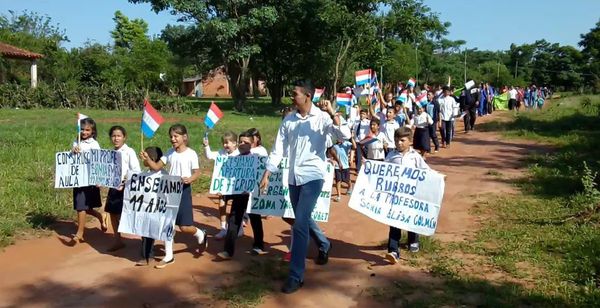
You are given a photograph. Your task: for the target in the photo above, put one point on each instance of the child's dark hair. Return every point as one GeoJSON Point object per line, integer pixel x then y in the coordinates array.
{"type": "Point", "coordinates": [229, 136]}
{"type": "Point", "coordinates": [90, 122]}
{"type": "Point", "coordinates": [180, 130]}
{"type": "Point", "coordinates": [255, 133]}
{"type": "Point", "coordinates": [403, 132]}
{"type": "Point", "coordinates": [154, 153]}
{"type": "Point", "coordinates": [246, 134]}
{"type": "Point", "coordinates": [375, 120]}
{"type": "Point", "coordinates": [117, 127]}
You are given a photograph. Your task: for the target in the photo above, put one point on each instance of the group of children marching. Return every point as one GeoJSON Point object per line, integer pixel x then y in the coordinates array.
{"type": "Point", "coordinates": [382, 133]}
{"type": "Point", "coordinates": [181, 161]}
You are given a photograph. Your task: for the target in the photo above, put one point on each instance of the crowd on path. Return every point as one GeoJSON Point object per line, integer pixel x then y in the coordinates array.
{"type": "Point", "coordinates": [399, 127]}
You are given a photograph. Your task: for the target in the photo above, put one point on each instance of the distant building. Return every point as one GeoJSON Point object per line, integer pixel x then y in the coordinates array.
{"type": "Point", "coordinates": [214, 84]}
{"type": "Point", "coordinates": [11, 52]}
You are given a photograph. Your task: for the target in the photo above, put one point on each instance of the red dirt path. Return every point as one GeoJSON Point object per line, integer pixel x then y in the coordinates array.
{"type": "Point", "coordinates": [46, 272]}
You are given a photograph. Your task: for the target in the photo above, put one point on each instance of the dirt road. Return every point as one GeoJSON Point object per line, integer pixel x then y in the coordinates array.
{"type": "Point", "coordinates": [46, 272]}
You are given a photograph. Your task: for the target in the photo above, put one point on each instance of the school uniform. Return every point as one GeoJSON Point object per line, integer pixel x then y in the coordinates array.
{"type": "Point", "coordinates": [361, 130]}
{"type": "Point", "coordinates": [88, 197]}
{"type": "Point", "coordinates": [448, 109]}
{"type": "Point", "coordinates": [129, 164]}
{"type": "Point", "coordinates": [374, 148]}
{"type": "Point", "coordinates": [342, 171]}
{"type": "Point", "coordinates": [421, 137]}
{"type": "Point", "coordinates": [413, 159]}
{"type": "Point", "coordinates": [433, 109]}
{"type": "Point", "coordinates": [255, 219]}
{"type": "Point", "coordinates": [388, 129]}
{"type": "Point", "coordinates": [182, 164]}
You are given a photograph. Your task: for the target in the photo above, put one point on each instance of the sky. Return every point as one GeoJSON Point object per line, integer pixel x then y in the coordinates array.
{"type": "Point", "coordinates": [489, 25]}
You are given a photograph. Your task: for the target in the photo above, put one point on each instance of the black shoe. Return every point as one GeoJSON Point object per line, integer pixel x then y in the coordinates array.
{"type": "Point", "coordinates": [324, 256]}
{"type": "Point", "coordinates": [291, 286]}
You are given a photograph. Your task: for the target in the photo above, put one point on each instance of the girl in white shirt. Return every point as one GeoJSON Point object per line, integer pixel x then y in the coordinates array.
{"type": "Point", "coordinates": [114, 200]}
{"type": "Point", "coordinates": [421, 141]}
{"type": "Point", "coordinates": [85, 199]}
{"type": "Point", "coordinates": [183, 162]}
{"type": "Point", "coordinates": [229, 141]}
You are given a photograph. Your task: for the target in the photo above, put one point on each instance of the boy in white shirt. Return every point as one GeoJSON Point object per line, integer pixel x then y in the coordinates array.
{"type": "Point", "coordinates": [388, 128]}
{"type": "Point", "coordinates": [406, 155]}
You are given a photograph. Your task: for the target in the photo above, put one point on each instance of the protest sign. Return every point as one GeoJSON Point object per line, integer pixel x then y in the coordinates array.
{"type": "Point", "coordinates": [93, 167]}
{"type": "Point", "coordinates": [397, 195]}
{"type": "Point", "coordinates": [276, 201]}
{"type": "Point", "coordinates": [234, 175]}
{"type": "Point", "coordinates": [150, 205]}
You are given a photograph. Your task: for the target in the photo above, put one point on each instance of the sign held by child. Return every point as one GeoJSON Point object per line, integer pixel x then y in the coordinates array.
{"type": "Point", "coordinates": [398, 195]}
{"type": "Point", "coordinates": [92, 167]}
{"type": "Point", "coordinates": [275, 201]}
{"type": "Point", "coordinates": [150, 205]}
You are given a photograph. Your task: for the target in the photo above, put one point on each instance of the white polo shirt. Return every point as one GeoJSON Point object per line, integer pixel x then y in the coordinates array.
{"type": "Point", "coordinates": [305, 140]}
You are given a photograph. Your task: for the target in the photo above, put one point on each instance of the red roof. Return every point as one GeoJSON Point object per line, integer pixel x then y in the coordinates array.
{"type": "Point", "coordinates": [11, 51]}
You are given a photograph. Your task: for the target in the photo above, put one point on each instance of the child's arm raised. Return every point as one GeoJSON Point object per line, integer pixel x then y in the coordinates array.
{"type": "Point", "coordinates": [154, 166]}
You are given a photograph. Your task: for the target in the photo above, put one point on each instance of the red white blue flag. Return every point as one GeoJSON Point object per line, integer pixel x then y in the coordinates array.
{"type": "Point", "coordinates": [151, 119]}
{"type": "Point", "coordinates": [363, 77]}
{"type": "Point", "coordinates": [343, 99]}
{"type": "Point", "coordinates": [317, 96]}
{"type": "Point", "coordinates": [411, 83]}
{"type": "Point", "coordinates": [213, 115]}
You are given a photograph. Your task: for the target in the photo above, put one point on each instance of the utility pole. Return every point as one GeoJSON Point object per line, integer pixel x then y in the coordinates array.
{"type": "Point", "coordinates": [465, 65]}
{"type": "Point", "coordinates": [416, 63]}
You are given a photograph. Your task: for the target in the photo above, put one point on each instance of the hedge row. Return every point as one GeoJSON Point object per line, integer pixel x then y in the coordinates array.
{"type": "Point", "coordinates": [72, 95]}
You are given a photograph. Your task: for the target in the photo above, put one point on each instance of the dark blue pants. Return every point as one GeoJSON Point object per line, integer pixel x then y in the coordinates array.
{"type": "Point", "coordinates": [303, 199]}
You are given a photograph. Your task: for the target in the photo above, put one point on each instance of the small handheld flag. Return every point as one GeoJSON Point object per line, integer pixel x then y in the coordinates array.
{"type": "Point", "coordinates": [151, 119]}
{"type": "Point", "coordinates": [80, 116]}
{"type": "Point", "coordinates": [411, 83]}
{"type": "Point", "coordinates": [317, 96]}
{"type": "Point", "coordinates": [363, 77]}
{"type": "Point", "coordinates": [343, 99]}
{"type": "Point", "coordinates": [403, 96]}
{"type": "Point", "coordinates": [421, 100]}
{"type": "Point", "coordinates": [213, 115]}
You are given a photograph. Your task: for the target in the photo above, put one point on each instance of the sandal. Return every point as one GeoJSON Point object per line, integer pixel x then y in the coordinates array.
{"type": "Point", "coordinates": [75, 239]}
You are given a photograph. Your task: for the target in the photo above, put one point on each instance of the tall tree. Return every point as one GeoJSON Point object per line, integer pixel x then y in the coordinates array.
{"type": "Point", "coordinates": [228, 30]}
{"type": "Point", "coordinates": [591, 51]}
{"type": "Point", "coordinates": [128, 31]}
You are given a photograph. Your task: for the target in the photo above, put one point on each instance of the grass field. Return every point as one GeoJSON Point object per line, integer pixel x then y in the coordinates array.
{"type": "Point", "coordinates": [30, 138]}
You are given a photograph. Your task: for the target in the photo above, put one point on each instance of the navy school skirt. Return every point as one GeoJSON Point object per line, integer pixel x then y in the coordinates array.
{"type": "Point", "coordinates": [114, 201]}
{"type": "Point", "coordinates": [85, 198]}
{"type": "Point", "coordinates": [185, 215]}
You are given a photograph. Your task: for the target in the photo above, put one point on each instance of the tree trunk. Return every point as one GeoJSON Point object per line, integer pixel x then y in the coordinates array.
{"type": "Point", "coordinates": [275, 87]}
{"type": "Point", "coordinates": [340, 56]}
{"type": "Point", "coordinates": [238, 82]}
{"type": "Point", "coordinates": [255, 90]}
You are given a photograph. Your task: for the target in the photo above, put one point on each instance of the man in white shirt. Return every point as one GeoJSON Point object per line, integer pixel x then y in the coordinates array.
{"type": "Point", "coordinates": [448, 107]}
{"type": "Point", "coordinates": [512, 98]}
{"type": "Point", "coordinates": [303, 134]}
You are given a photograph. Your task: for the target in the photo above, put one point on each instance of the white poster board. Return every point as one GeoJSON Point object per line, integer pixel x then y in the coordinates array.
{"type": "Point", "coordinates": [400, 196]}
{"type": "Point", "coordinates": [234, 175]}
{"type": "Point", "coordinates": [276, 201]}
{"type": "Point", "coordinates": [93, 167]}
{"type": "Point", "coordinates": [150, 205]}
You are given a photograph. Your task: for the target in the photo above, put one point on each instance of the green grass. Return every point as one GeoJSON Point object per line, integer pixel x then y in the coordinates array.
{"type": "Point", "coordinates": [540, 248]}
{"type": "Point", "coordinates": [30, 138]}
{"type": "Point", "coordinates": [254, 282]}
